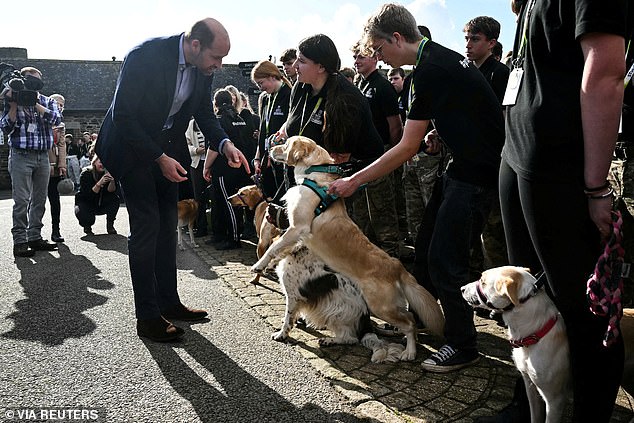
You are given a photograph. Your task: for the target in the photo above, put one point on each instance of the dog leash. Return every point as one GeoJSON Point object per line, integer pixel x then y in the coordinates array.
{"type": "Point", "coordinates": [605, 285]}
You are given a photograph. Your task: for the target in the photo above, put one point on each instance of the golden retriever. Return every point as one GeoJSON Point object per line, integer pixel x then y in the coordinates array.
{"type": "Point", "coordinates": [385, 284]}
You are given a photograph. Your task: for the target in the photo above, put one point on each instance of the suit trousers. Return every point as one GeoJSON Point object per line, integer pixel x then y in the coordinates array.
{"type": "Point", "coordinates": [151, 203]}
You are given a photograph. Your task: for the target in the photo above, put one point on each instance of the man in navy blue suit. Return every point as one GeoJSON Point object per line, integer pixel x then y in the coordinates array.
{"type": "Point", "coordinates": [162, 84]}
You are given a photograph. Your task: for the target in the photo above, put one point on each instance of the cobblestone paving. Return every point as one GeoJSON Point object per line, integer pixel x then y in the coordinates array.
{"type": "Point", "coordinates": [399, 392]}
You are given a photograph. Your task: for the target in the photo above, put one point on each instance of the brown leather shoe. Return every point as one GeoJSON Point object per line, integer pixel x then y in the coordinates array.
{"type": "Point", "coordinates": [158, 330]}
{"type": "Point", "coordinates": [181, 312]}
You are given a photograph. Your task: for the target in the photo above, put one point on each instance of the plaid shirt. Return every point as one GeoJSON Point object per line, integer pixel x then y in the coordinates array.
{"type": "Point", "coordinates": [41, 138]}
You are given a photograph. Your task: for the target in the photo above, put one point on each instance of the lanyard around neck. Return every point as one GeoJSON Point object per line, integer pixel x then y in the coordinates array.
{"type": "Point", "coordinates": [419, 56]}
{"type": "Point", "coordinates": [519, 59]}
{"type": "Point", "coordinates": [269, 110]}
{"type": "Point", "coordinates": [303, 124]}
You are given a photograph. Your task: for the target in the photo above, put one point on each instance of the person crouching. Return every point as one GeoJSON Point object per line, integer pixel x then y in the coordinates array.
{"type": "Point", "coordinates": [97, 195]}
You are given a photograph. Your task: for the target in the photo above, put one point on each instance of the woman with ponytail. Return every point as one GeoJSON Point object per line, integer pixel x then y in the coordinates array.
{"type": "Point", "coordinates": [274, 107]}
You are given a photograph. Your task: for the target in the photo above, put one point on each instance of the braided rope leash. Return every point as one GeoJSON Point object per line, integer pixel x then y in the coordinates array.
{"type": "Point", "coordinates": [605, 286]}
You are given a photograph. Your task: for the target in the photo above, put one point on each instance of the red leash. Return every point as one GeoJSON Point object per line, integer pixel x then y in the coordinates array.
{"type": "Point", "coordinates": [605, 286]}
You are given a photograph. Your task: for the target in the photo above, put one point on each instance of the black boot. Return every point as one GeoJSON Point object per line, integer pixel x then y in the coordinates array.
{"type": "Point", "coordinates": [110, 228]}
{"type": "Point", "coordinates": [55, 235]}
{"type": "Point", "coordinates": [518, 411]}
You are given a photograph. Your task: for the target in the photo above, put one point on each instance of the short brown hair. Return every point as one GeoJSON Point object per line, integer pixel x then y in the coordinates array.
{"type": "Point", "coordinates": [388, 19]}
{"type": "Point", "coordinates": [288, 54]}
{"type": "Point", "coordinates": [483, 25]}
{"type": "Point", "coordinates": [30, 70]}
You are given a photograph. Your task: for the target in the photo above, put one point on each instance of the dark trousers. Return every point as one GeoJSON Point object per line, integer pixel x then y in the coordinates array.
{"type": "Point", "coordinates": [86, 212]}
{"type": "Point", "coordinates": [53, 200]}
{"type": "Point", "coordinates": [230, 219]}
{"type": "Point", "coordinates": [199, 184]}
{"type": "Point", "coordinates": [151, 203]}
{"type": "Point", "coordinates": [456, 211]}
{"type": "Point", "coordinates": [547, 225]}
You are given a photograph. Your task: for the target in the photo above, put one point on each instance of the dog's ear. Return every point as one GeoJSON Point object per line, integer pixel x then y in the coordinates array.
{"type": "Point", "coordinates": [299, 150]}
{"type": "Point", "coordinates": [508, 286]}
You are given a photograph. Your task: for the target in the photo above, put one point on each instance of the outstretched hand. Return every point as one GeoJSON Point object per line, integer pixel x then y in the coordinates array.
{"type": "Point", "coordinates": [235, 158]}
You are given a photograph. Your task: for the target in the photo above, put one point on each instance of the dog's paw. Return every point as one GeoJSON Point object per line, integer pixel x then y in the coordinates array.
{"type": "Point", "coordinates": [257, 269]}
{"type": "Point", "coordinates": [195, 245]}
{"type": "Point", "coordinates": [407, 356]}
{"type": "Point", "coordinates": [326, 342]}
{"type": "Point", "coordinates": [181, 247]}
{"type": "Point", "coordinates": [279, 336]}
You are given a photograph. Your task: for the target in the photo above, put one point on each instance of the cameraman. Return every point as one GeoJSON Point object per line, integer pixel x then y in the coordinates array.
{"type": "Point", "coordinates": [29, 130]}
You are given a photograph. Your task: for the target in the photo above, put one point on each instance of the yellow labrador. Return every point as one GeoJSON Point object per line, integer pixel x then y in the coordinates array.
{"type": "Point", "coordinates": [535, 329]}
{"type": "Point", "coordinates": [385, 284]}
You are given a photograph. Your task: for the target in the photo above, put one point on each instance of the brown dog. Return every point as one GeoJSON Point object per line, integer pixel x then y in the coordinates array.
{"type": "Point", "coordinates": [252, 197]}
{"type": "Point", "coordinates": [385, 284]}
{"type": "Point", "coordinates": [187, 215]}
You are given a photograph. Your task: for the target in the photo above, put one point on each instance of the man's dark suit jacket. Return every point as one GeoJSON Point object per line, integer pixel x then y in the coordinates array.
{"type": "Point", "coordinates": [131, 133]}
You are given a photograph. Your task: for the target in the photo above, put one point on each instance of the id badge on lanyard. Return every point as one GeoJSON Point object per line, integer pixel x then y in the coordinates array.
{"type": "Point", "coordinates": [513, 87]}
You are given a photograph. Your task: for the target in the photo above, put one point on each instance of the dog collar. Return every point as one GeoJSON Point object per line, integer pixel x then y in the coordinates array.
{"type": "Point", "coordinates": [534, 338]}
{"type": "Point", "coordinates": [322, 192]}
{"type": "Point", "coordinates": [244, 203]}
{"type": "Point", "coordinates": [539, 284]}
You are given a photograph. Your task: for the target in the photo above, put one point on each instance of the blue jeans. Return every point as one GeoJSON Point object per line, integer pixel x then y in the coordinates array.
{"type": "Point", "coordinates": [463, 210]}
{"type": "Point", "coordinates": [29, 170]}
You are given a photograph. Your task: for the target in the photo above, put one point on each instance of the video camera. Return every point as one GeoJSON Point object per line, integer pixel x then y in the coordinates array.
{"type": "Point", "coordinates": [24, 89]}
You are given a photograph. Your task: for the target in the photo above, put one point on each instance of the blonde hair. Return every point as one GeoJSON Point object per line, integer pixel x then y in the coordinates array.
{"type": "Point", "coordinates": [236, 96]}
{"type": "Point", "coordinates": [265, 68]}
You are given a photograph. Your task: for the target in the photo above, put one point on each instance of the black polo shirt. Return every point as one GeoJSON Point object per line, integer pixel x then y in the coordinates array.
{"type": "Point", "coordinates": [383, 101]}
{"type": "Point", "coordinates": [464, 109]}
{"type": "Point", "coordinates": [306, 117]}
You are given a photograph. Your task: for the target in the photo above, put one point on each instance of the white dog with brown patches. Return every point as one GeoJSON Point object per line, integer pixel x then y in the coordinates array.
{"type": "Point", "coordinates": [385, 284]}
{"type": "Point", "coordinates": [537, 332]}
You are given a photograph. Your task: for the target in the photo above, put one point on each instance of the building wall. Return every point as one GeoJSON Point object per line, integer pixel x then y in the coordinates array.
{"type": "Point", "coordinates": [88, 87]}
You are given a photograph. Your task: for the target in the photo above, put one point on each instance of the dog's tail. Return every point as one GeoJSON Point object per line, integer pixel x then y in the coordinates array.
{"type": "Point", "coordinates": [423, 304]}
{"type": "Point", "coordinates": [382, 351]}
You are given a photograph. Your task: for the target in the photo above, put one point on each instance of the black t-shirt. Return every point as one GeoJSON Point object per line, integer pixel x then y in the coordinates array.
{"type": "Point", "coordinates": [237, 130]}
{"type": "Point", "coordinates": [497, 74]}
{"type": "Point", "coordinates": [383, 101]}
{"type": "Point", "coordinates": [456, 97]}
{"type": "Point", "coordinates": [544, 136]}
{"type": "Point", "coordinates": [306, 118]}
{"type": "Point", "coordinates": [273, 114]}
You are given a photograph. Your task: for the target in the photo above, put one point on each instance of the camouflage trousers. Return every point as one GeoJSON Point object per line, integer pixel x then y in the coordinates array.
{"type": "Point", "coordinates": [419, 175]}
{"type": "Point", "coordinates": [373, 209]}
{"type": "Point", "coordinates": [621, 177]}
{"type": "Point", "coordinates": [489, 249]}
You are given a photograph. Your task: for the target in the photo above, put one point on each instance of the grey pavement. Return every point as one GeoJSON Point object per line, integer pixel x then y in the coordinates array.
{"type": "Point", "coordinates": [67, 340]}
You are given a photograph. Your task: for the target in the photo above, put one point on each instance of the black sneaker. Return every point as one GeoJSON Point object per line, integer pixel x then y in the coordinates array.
{"type": "Point", "coordinates": [88, 230]}
{"type": "Point", "coordinates": [448, 359]}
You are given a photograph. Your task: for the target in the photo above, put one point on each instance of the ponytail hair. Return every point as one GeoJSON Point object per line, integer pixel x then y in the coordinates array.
{"type": "Point", "coordinates": [265, 68]}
